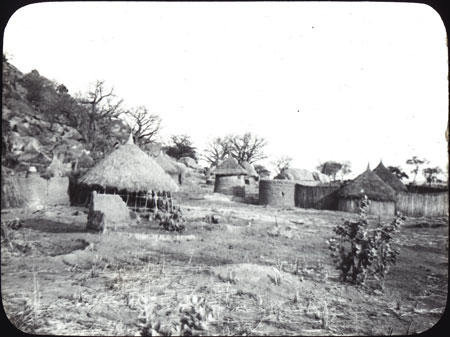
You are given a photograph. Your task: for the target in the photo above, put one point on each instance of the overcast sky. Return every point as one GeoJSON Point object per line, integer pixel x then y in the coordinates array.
{"type": "Point", "coordinates": [320, 81]}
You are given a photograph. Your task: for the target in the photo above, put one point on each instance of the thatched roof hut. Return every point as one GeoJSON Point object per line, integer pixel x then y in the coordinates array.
{"type": "Point", "coordinates": [370, 184]}
{"type": "Point", "coordinates": [229, 178]}
{"type": "Point", "coordinates": [229, 167]}
{"type": "Point", "coordinates": [389, 178]}
{"type": "Point", "coordinates": [166, 164]}
{"type": "Point", "coordinates": [251, 172]}
{"type": "Point", "coordinates": [131, 169]}
{"type": "Point", "coordinates": [382, 196]}
{"type": "Point", "coordinates": [174, 169]}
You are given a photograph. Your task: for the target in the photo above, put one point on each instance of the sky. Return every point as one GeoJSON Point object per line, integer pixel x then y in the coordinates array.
{"type": "Point", "coordinates": [318, 80]}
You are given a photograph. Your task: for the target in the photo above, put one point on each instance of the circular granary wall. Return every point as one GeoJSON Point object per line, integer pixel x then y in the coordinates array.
{"type": "Point", "coordinates": [230, 185]}
{"type": "Point", "coordinates": [277, 192]}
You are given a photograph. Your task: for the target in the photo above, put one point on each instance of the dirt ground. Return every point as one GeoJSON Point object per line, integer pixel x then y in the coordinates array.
{"type": "Point", "coordinates": [260, 270]}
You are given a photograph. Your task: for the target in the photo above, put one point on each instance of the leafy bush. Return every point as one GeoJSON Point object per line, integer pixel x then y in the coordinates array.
{"type": "Point", "coordinates": [360, 252]}
{"type": "Point", "coordinates": [190, 318]}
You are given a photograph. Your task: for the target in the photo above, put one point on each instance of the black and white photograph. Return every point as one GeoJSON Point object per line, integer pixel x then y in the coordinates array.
{"type": "Point", "coordinates": [225, 168]}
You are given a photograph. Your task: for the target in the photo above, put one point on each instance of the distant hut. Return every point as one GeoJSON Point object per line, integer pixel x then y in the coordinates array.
{"type": "Point", "coordinates": [389, 178]}
{"type": "Point", "coordinates": [300, 176]}
{"type": "Point", "coordinates": [230, 178]}
{"type": "Point", "coordinates": [136, 177]}
{"type": "Point", "coordinates": [252, 175]}
{"type": "Point", "coordinates": [382, 196]}
{"type": "Point", "coordinates": [173, 168]}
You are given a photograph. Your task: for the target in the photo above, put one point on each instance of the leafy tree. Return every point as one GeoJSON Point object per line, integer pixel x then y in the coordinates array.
{"type": "Point", "coordinates": [262, 170]}
{"type": "Point", "coordinates": [330, 168]}
{"type": "Point", "coordinates": [398, 172]}
{"type": "Point", "coordinates": [345, 169]}
{"type": "Point", "coordinates": [145, 126]}
{"type": "Point", "coordinates": [38, 88]}
{"type": "Point", "coordinates": [416, 163]}
{"type": "Point", "coordinates": [103, 107]}
{"type": "Point", "coordinates": [431, 174]}
{"type": "Point", "coordinates": [181, 146]}
{"type": "Point", "coordinates": [282, 163]}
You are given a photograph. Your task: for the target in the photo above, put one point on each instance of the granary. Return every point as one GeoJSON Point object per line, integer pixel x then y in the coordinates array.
{"type": "Point", "coordinates": [389, 178]}
{"type": "Point", "coordinates": [381, 195]}
{"type": "Point", "coordinates": [134, 176]}
{"type": "Point", "coordinates": [230, 178]}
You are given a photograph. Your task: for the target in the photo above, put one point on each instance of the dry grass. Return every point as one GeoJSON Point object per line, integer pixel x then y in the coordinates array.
{"type": "Point", "coordinates": [253, 283]}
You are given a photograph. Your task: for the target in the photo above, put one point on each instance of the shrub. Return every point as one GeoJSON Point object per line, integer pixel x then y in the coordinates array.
{"type": "Point", "coordinates": [190, 318]}
{"type": "Point", "coordinates": [360, 252]}
{"type": "Point", "coordinates": [171, 221]}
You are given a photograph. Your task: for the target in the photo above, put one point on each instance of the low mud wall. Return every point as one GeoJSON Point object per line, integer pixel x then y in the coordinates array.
{"type": "Point", "coordinates": [37, 191]}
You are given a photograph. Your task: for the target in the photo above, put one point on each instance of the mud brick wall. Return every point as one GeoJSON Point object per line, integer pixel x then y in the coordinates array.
{"type": "Point", "coordinates": [57, 191]}
{"type": "Point", "coordinates": [277, 193]}
{"type": "Point", "coordinates": [38, 191]}
{"type": "Point", "coordinates": [112, 206]}
{"type": "Point", "coordinates": [230, 185]}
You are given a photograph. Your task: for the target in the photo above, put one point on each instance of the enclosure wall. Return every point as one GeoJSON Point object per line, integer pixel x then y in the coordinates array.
{"type": "Point", "coordinates": [427, 204]}
{"type": "Point", "coordinates": [317, 197]}
{"type": "Point", "coordinates": [37, 191]}
{"type": "Point", "coordinates": [382, 208]}
{"type": "Point", "coordinates": [277, 193]}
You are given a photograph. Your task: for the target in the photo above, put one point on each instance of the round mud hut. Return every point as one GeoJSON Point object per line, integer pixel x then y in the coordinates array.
{"type": "Point", "coordinates": [134, 176]}
{"type": "Point", "coordinates": [381, 195]}
{"type": "Point", "coordinates": [389, 178]}
{"type": "Point", "coordinates": [277, 192]}
{"type": "Point", "coordinates": [230, 178]}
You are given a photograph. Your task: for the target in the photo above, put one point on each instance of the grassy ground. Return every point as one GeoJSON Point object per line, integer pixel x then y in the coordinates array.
{"type": "Point", "coordinates": [260, 271]}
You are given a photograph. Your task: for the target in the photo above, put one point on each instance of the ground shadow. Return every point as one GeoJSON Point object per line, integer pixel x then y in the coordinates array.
{"type": "Point", "coordinates": [50, 226]}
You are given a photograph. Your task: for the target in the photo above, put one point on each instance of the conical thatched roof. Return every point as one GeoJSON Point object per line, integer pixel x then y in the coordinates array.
{"type": "Point", "coordinates": [229, 167]}
{"type": "Point", "coordinates": [367, 183]}
{"type": "Point", "coordinates": [166, 164]}
{"type": "Point", "coordinates": [129, 168]}
{"type": "Point", "coordinates": [389, 178]}
{"type": "Point", "coordinates": [251, 172]}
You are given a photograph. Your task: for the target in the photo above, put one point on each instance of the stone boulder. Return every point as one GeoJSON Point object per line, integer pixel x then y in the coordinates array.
{"type": "Point", "coordinates": [113, 210]}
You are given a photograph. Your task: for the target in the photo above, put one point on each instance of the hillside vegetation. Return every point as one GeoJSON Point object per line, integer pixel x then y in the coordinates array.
{"type": "Point", "coordinates": [41, 119]}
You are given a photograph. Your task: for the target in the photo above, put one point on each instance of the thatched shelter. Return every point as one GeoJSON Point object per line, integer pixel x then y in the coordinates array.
{"type": "Point", "coordinates": [230, 178]}
{"type": "Point", "coordinates": [382, 196]}
{"type": "Point", "coordinates": [174, 169]}
{"type": "Point", "coordinates": [131, 173]}
{"type": "Point", "coordinates": [389, 178]}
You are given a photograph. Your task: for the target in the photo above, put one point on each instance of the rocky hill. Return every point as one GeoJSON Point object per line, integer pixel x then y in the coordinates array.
{"type": "Point", "coordinates": [40, 125]}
